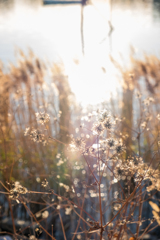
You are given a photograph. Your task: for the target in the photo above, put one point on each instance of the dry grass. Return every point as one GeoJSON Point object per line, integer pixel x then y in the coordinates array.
{"type": "Point", "coordinates": [94, 184]}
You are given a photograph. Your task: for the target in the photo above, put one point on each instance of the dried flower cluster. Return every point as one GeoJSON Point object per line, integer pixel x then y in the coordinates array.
{"type": "Point", "coordinates": [16, 191]}
{"type": "Point", "coordinates": [77, 144]}
{"type": "Point", "coordinates": [45, 183]}
{"type": "Point", "coordinates": [42, 118]}
{"type": "Point", "coordinates": [36, 135]}
{"type": "Point", "coordinates": [105, 122]}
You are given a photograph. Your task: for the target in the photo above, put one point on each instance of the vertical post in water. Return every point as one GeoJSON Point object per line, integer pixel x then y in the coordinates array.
{"type": "Point", "coordinates": [110, 14]}
{"type": "Point", "coordinates": [110, 25]}
{"type": "Point", "coordinates": [82, 20]}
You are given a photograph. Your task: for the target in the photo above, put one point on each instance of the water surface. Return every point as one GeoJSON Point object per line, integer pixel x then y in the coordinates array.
{"type": "Point", "coordinates": [53, 32]}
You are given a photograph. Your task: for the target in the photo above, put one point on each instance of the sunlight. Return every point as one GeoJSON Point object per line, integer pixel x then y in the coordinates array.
{"type": "Point", "coordinates": [90, 80]}
{"type": "Point", "coordinates": [79, 120]}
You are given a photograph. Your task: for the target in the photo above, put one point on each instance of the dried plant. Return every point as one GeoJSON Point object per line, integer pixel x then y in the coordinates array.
{"type": "Point", "coordinates": [80, 177]}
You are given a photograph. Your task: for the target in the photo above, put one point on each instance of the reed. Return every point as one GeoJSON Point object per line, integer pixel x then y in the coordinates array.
{"type": "Point", "coordinates": [76, 176]}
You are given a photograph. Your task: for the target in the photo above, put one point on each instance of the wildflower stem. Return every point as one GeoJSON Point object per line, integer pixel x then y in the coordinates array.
{"type": "Point", "coordinates": [79, 218]}
{"type": "Point", "coordinates": [5, 187]}
{"type": "Point", "coordinates": [14, 228]}
{"type": "Point", "coordinates": [62, 227]}
{"type": "Point", "coordinates": [54, 139]}
{"type": "Point", "coordinates": [37, 221]}
{"type": "Point", "coordinates": [100, 206]}
{"type": "Point", "coordinates": [140, 212]}
{"type": "Point", "coordinates": [91, 170]}
{"type": "Point", "coordinates": [66, 200]}
{"type": "Point", "coordinates": [127, 200]}
{"type": "Point", "coordinates": [99, 189]}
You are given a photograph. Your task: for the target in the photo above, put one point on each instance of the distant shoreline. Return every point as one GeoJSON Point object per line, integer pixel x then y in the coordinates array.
{"type": "Point", "coordinates": [46, 2]}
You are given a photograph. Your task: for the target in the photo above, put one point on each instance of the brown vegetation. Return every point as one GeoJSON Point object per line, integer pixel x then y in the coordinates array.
{"type": "Point", "coordinates": [94, 185]}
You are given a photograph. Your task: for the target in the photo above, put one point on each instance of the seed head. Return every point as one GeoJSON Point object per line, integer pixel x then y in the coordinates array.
{"type": "Point", "coordinates": [42, 118]}
{"type": "Point", "coordinates": [98, 128]}
{"type": "Point", "coordinates": [107, 124]}
{"type": "Point", "coordinates": [78, 144]}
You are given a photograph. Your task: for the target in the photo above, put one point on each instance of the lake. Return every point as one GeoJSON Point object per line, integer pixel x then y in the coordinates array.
{"type": "Point", "coordinates": [54, 33]}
